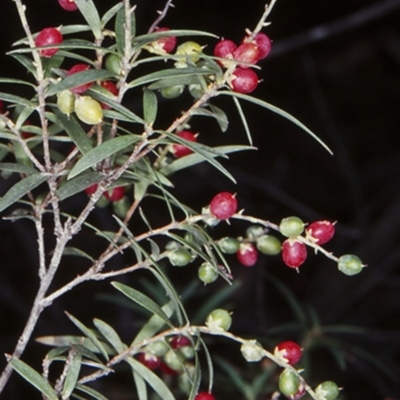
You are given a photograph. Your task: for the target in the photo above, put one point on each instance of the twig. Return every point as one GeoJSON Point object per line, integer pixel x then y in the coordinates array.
{"type": "Point", "coordinates": [161, 16]}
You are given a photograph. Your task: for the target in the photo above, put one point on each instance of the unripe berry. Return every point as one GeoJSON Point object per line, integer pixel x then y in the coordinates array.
{"type": "Point", "coordinates": [327, 390]}
{"type": "Point", "coordinates": [184, 345]}
{"type": "Point", "coordinates": [115, 194]}
{"type": "Point", "coordinates": [47, 37]}
{"type": "Point", "coordinates": [289, 351]}
{"type": "Point", "coordinates": [294, 253]}
{"type": "Point", "coordinates": [229, 245]}
{"type": "Point", "coordinates": [247, 254]}
{"type": "Point", "coordinates": [110, 87]}
{"type": "Point", "coordinates": [269, 245]}
{"type": "Point", "coordinates": [225, 49]}
{"type": "Point", "coordinates": [300, 392]}
{"type": "Point", "coordinates": [180, 150]}
{"type": "Point", "coordinates": [248, 53]}
{"type": "Point", "coordinates": [291, 226]}
{"type": "Point", "coordinates": [190, 49]}
{"type": "Point", "coordinates": [66, 102]}
{"type": "Point", "coordinates": [166, 43]}
{"type": "Point", "coordinates": [223, 205]}
{"type": "Point", "coordinates": [88, 110]}
{"type": "Point", "coordinates": [172, 92]}
{"type": "Point", "coordinates": [180, 257]}
{"type": "Point", "coordinates": [244, 80]}
{"type": "Point", "coordinates": [350, 264]}
{"type": "Point", "coordinates": [320, 232]}
{"type": "Point", "coordinates": [173, 360]}
{"type": "Point", "coordinates": [204, 396]}
{"type": "Point", "coordinates": [219, 320]}
{"type": "Point", "coordinates": [68, 5]}
{"type": "Point", "coordinates": [74, 70]}
{"type": "Point", "coordinates": [289, 383]}
{"type": "Point", "coordinates": [113, 64]}
{"type": "Point", "coordinates": [150, 360]}
{"type": "Point", "coordinates": [207, 273]}
{"type": "Point", "coordinates": [252, 351]}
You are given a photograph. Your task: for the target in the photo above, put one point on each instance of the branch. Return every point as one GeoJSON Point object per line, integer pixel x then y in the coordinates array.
{"type": "Point", "coordinates": [161, 16]}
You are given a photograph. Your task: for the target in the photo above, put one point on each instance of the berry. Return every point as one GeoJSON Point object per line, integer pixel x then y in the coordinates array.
{"type": "Point", "coordinates": [173, 360]}
{"type": "Point", "coordinates": [247, 254]}
{"type": "Point", "coordinates": [179, 341]}
{"type": "Point", "coordinates": [300, 392]}
{"type": "Point", "coordinates": [88, 110]}
{"type": "Point", "coordinates": [115, 194]}
{"type": "Point", "coordinates": [66, 102]}
{"type": "Point", "coordinates": [172, 92]}
{"type": "Point", "coordinates": [289, 383]}
{"type": "Point", "coordinates": [268, 245]}
{"type": "Point", "coordinates": [252, 351]}
{"type": "Point", "coordinates": [294, 253]}
{"type": "Point", "coordinates": [244, 80]}
{"type": "Point", "coordinates": [263, 42]}
{"type": "Point", "coordinates": [151, 361]}
{"type": "Point", "coordinates": [1, 106]}
{"type": "Point", "coordinates": [248, 53]}
{"type": "Point", "coordinates": [224, 49]}
{"type": "Point", "coordinates": [48, 37]}
{"type": "Point", "coordinates": [68, 5]}
{"type": "Point", "coordinates": [350, 264]}
{"type": "Point", "coordinates": [91, 189]}
{"type": "Point", "coordinates": [113, 64]}
{"type": "Point", "coordinates": [289, 351]}
{"type": "Point", "coordinates": [110, 87]}
{"type": "Point", "coordinates": [327, 390]}
{"type": "Point", "coordinates": [79, 68]}
{"type": "Point", "coordinates": [229, 245]}
{"type": "Point", "coordinates": [190, 49]}
{"type": "Point", "coordinates": [167, 370]}
{"type": "Point", "coordinates": [223, 205]}
{"type": "Point", "coordinates": [166, 43]}
{"type": "Point", "coordinates": [254, 231]}
{"type": "Point", "coordinates": [180, 150]}
{"type": "Point", "coordinates": [180, 257]}
{"type": "Point", "coordinates": [204, 396]}
{"type": "Point", "coordinates": [291, 226]}
{"type": "Point", "coordinates": [320, 232]}
{"type": "Point", "coordinates": [219, 320]}
{"type": "Point", "coordinates": [207, 273]}
{"type": "Point", "coordinates": [158, 348]}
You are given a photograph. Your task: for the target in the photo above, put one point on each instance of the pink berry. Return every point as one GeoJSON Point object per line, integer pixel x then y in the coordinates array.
{"type": "Point", "coordinates": [68, 5]}
{"type": "Point", "coordinates": [1, 106]}
{"type": "Point", "coordinates": [179, 341]}
{"type": "Point", "coordinates": [244, 80]}
{"type": "Point", "coordinates": [290, 351]}
{"type": "Point", "coordinates": [204, 396]}
{"type": "Point", "coordinates": [294, 253]}
{"type": "Point", "coordinates": [263, 42]}
{"type": "Point", "coordinates": [151, 361]}
{"type": "Point", "coordinates": [115, 194]}
{"type": "Point", "coordinates": [248, 53]}
{"type": "Point", "coordinates": [112, 88]}
{"type": "Point", "coordinates": [91, 189]}
{"type": "Point", "coordinates": [247, 254]}
{"type": "Point", "coordinates": [320, 231]}
{"type": "Point", "coordinates": [47, 37]}
{"type": "Point", "coordinates": [224, 49]}
{"type": "Point", "coordinates": [180, 150]}
{"type": "Point", "coordinates": [223, 205]}
{"type": "Point", "coordinates": [79, 68]}
{"type": "Point", "coordinates": [167, 43]}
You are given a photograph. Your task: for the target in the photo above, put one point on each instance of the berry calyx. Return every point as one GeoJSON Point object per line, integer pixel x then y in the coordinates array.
{"type": "Point", "coordinates": [204, 396]}
{"type": "Point", "coordinates": [151, 361]}
{"type": "Point", "coordinates": [68, 5]}
{"type": "Point", "coordinates": [219, 320]}
{"type": "Point", "coordinates": [289, 351]}
{"type": "Point", "coordinates": [244, 80]}
{"type": "Point", "coordinates": [263, 42]}
{"type": "Point", "coordinates": [48, 37]}
{"type": "Point", "coordinates": [166, 43]}
{"type": "Point", "coordinates": [294, 253]}
{"type": "Point", "coordinates": [269, 245]}
{"type": "Point", "coordinates": [320, 232]}
{"type": "Point", "coordinates": [289, 383]}
{"type": "Point", "coordinates": [291, 227]}
{"type": "Point", "coordinates": [350, 264]}
{"type": "Point", "coordinates": [223, 205]}
{"type": "Point", "coordinates": [247, 52]}
{"type": "Point", "coordinates": [327, 390]}
{"type": "Point", "coordinates": [115, 194]}
{"type": "Point", "coordinates": [247, 254]}
{"type": "Point", "coordinates": [207, 273]}
{"type": "Point", "coordinates": [74, 70]}
{"type": "Point", "coordinates": [225, 49]}
{"type": "Point", "coordinates": [180, 150]}
{"type": "Point", "coordinates": [88, 110]}
{"type": "Point", "coordinates": [110, 87]}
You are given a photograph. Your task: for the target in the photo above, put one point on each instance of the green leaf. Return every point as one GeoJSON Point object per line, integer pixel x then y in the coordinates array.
{"type": "Point", "coordinates": [221, 117]}
{"type": "Point", "coordinates": [18, 168]}
{"type": "Point", "coordinates": [149, 106]}
{"type": "Point", "coordinates": [142, 300]}
{"type": "Point", "coordinates": [68, 29]}
{"type": "Point", "coordinates": [103, 151]}
{"type": "Point", "coordinates": [74, 367]}
{"type": "Point", "coordinates": [151, 378]}
{"type": "Point", "coordinates": [34, 378]}
{"type": "Point", "coordinates": [73, 251]}
{"type": "Point", "coordinates": [244, 120]}
{"type": "Point", "coordinates": [110, 335]}
{"type": "Point", "coordinates": [20, 189]}
{"type": "Point", "coordinates": [141, 388]}
{"type": "Point", "coordinates": [26, 62]}
{"type": "Point", "coordinates": [74, 131]}
{"type": "Point", "coordinates": [120, 24]}
{"type": "Point", "coordinates": [13, 99]}
{"type": "Point", "coordinates": [91, 392]}
{"type": "Point", "coordinates": [78, 184]}
{"type": "Point", "coordinates": [17, 81]}
{"type": "Point", "coordinates": [89, 12]}
{"type": "Point", "coordinates": [276, 110]}
{"type": "Point", "coordinates": [109, 15]}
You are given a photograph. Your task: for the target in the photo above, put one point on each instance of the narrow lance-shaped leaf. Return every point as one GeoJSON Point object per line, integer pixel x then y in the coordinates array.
{"type": "Point", "coordinates": [120, 29]}
{"type": "Point", "coordinates": [91, 392]}
{"type": "Point", "coordinates": [149, 106]}
{"type": "Point", "coordinates": [21, 169]}
{"type": "Point", "coordinates": [103, 151]}
{"type": "Point", "coordinates": [34, 378]}
{"type": "Point", "coordinates": [71, 379]}
{"type": "Point", "coordinates": [73, 251]}
{"type": "Point", "coordinates": [109, 15]}
{"type": "Point", "coordinates": [89, 12]}
{"type": "Point", "coordinates": [78, 184]}
{"type": "Point", "coordinates": [13, 99]}
{"type": "Point", "coordinates": [141, 388]}
{"type": "Point", "coordinates": [244, 119]}
{"type": "Point", "coordinates": [20, 189]}
{"type": "Point", "coordinates": [110, 335]}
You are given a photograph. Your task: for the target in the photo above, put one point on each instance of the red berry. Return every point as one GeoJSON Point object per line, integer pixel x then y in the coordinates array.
{"type": "Point", "coordinates": [167, 370]}
{"type": "Point", "coordinates": [112, 88]}
{"type": "Point", "coordinates": [68, 5]}
{"type": "Point", "coordinates": [223, 205]}
{"type": "Point", "coordinates": [247, 254]}
{"type": "Point", "coordinates": [321, 231]}
{"type": "Point", "coordinates": [47, 37]}
{"type": "Point", "coordinates": [263, 42]}
{"type": "Point", "coordinates": [115, 194]}
{"type": "Point", "coordinates": [25, 134]}
{"type": "Point", "coordinates": [244, 80]}
{"type": "Point", "coordinates": [151, 361]}
{"type": "Point", "coordinates": [204, 396]}
{"type": "Point", "coordinates": [179, 341]}
{"type": "Point", "coordinates": [79, 68]}
{"type": "Point", "coordinates": [248, 53]}
{"type": "Point", "coordinates": [1, 106]}
{"type": "Point", "coordinates": [180, 150]}
{"type": "Point", "coordinates": [294, 253]}
{"type": "Point", "coordinates": [224, 49]}
{"type": "Point", "coordinates": [167, 43]}
{"type": "Point", "coordinates": [290, 351]}
{"type": "Point", "coordinates": [91, 189]}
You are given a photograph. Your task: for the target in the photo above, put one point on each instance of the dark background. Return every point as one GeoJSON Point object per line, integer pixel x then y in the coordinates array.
{"type": "Point", "coordinates": [336, 67]}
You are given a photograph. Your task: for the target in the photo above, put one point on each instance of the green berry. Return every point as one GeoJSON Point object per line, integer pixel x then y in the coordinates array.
{"type": "Point", "coordinates": [254, 231]}
{"type": "Point", "coordinates": [289, 383]}
{"type": "Point", "coordinates": [229, 245]}
{"type": "Point", "coordinates": [350, 264]}
{"type": "Point", "coordinates": [172, 92]}
{"type": "Point", "coordinates": [327, 390]}
{"type": "Point", "coordinates": [66, 102]}
{"type": "Point", "coordinates": [252, 351]}
{"type": "Point", "coordinates": [180, 257]}
{"type": "Point", "coordinates": [113, 64]}
{"type": "Point", "coordinates": [269, 245]}
{"type": "Point", "coordinates": [173, 360]}
{"type": "Point", "coordinates": [219, 320]}
{"type": "Point", "coordinates": [190, 49]}
{"type": "Point", "coordinates": [291, 226]}
{"type": "Point", "coordinates": [88, 110]}
{"type": "Point", "coordinates": [207, 273]}
{"type": "Point", "coordinates": [158, 348]}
